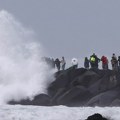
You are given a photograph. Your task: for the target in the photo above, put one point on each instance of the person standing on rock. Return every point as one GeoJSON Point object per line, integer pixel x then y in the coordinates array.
{"type": "Point", "coordinates": [86, 63]}
{"type": "Point", "coordinates": [104, 62]}
{"type": "Point", "coordinates": [57, 63]}
{"type": "Point", "coordinates": [63, 63]}
{"type": "Point", "coordinates": [94, 60]}
{"type": "Point", "coordinates": [114, 62]}
{"type": "Point", "coordinates": [74, 62]}
{"type": "Point", "coordinates": [119, 63]}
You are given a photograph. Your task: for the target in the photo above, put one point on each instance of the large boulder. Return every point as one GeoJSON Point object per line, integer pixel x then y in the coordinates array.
{"type": "Point", "coordinates": [115, 102]}
{"type": "Point", "coordinates": [73, 96]}
{"type": "Point", "coordinates": [64, 79]}
{"type": "Point", "coordinates": [104, 99]}
{"type": "Point", "coordinates": [96, 116]}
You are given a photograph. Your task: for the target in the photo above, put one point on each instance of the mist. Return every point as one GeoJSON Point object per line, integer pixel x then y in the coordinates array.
{"type": "Point", "coordinates": [22, 72]}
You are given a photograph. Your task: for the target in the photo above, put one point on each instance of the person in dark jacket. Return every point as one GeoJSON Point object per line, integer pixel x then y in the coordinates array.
{"type": "Point", "coordinates": [94, 60]}
{"type": "Point", "coordinates": [119, 63]}
{"type": "Point", "coordinates": [86, 63]}
{"type": "Point", "coordinates": [57, 63]}
{"type": "Point", "coordinates": [114, 62]}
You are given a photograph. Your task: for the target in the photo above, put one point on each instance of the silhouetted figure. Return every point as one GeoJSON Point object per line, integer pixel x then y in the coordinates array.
{"type": "Point", "coordinates": [94, 60]}
{"type": "Point", "coordinates": [119, 63]}
{"type": "Point", "coordinates": [86, 63]}
{"type": "Point", "coordinates": [63, 63]}
{"type": "Point", "coordinates": [57, 63]}
{"type": "Point", "coordinates": [114, 62]}
{"type": "Point", "coordinates": [104, 62]}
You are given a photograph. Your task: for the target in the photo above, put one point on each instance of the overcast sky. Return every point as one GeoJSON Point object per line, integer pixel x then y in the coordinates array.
{"type": "Point", "coordinates": [71, 28]}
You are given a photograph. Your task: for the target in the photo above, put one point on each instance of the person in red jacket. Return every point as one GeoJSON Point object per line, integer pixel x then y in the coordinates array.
{"type": "Point", "coordinates": [104, 62]}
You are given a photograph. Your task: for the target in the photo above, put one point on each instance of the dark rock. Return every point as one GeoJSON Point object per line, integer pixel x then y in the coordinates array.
{"type": "Point", "coordinates": [41, 99]}
{"type": "Point", "coordinates": [115, 102]}
{"type": "Point", "coordinates": [72, 94]}
{"type": "Point", "coordinates": [91, 88]}
{"type": "Point", "coordinates": [103, 99]}
{"type": "Point", "coordinates": [96, 116]}
{"type": "Point", "coordinates": [64, 79]}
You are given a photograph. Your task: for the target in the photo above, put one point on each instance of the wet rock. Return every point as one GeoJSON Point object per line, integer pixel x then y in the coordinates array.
{"type": "Point", "coordinates": [96, 116]}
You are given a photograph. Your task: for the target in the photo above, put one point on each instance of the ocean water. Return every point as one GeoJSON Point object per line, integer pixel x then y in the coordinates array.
{"type": "Point", "coordinates": [18, 112]}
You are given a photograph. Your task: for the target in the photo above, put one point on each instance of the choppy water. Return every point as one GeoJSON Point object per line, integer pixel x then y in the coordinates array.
{"type": "Point", "coordinates": [18, 112]}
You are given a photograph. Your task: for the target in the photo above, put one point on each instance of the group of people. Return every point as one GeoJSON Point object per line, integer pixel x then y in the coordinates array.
{"type": "Point", "coordinates": [59, 64]}
{"type": "Point", "coordinates": [94, 62]}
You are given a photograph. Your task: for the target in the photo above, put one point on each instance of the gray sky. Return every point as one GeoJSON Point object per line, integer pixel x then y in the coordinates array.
{"type": "Point", "coordinates": [71, 28]}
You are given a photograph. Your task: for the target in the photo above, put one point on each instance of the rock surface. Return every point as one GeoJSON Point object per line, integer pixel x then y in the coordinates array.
{"type": "Point", "coordinates": [96, 116]}
{"type": "Point", "coordinates": [80, 87]}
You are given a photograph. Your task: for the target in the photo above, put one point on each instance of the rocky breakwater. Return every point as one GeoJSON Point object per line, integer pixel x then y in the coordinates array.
{"type": "Point", "coordinates": [80, 87]}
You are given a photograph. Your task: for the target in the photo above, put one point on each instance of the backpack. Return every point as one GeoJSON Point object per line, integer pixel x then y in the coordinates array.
{"type": "Point", "coordinates": [92, 59]}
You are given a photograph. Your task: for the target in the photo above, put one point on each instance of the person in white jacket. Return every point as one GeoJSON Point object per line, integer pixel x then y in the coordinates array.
{"type": "Point", "coordinates": [74, 62]}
